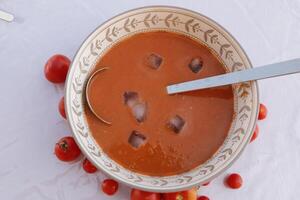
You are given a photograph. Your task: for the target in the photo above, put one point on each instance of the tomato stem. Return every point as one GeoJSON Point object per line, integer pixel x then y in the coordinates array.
{"type": "Point", "coordinates": [64, 145]}
{"type": "Point", "coordinates": [179, 197]}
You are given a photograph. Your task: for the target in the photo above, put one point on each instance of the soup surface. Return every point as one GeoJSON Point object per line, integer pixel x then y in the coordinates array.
{"type": "Point", "coordinates": [154, 133]}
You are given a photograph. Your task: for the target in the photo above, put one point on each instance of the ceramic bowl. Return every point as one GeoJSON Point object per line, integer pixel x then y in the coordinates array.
{"type": "Point", "coordinates": [178, 20]}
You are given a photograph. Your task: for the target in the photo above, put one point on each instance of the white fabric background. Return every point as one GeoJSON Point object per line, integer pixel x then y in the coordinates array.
{"type": "Point", "coordinates": [30, 124]}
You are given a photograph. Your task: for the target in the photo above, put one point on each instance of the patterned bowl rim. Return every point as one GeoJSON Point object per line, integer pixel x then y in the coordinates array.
{"type": "Point", "coordinates": [225, 166]}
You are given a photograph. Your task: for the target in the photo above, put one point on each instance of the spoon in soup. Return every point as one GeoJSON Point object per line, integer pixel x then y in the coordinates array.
{"type": "Point", "coordinates": [87, 95]}
{"type": "Point", "coordinates": [263, 72]}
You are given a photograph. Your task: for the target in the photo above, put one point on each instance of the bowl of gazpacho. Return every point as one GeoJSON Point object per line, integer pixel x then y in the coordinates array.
{"type": "Point", "coordinates": [149, 139]}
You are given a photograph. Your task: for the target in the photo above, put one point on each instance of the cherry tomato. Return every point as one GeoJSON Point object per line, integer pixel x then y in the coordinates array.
{"type": "Point", "coordinates": [66, 149]}
{"type": "Point", "coordinates": [142, 195]}
{"type": "Point", "coordinates": [203, 198]}
{"type": "Point", "coordinates": [88, 166]}
{"type": "Point", "coordinates": [262, 112]}
{"type": "Point", "coordinates": [61, 107]}
{"type": "Point", "coordinates": [234, 181]}
{"type": "Point", "coordinates": [255, 133]}
{"type": "Point", "coordinates": [109, 186]}
{"type": "Point", "coordinates": [205, 184]}
{"type": "Point", "coordinates": [56, 68]}
{"type": "Point", "coordinates": [184, 195]}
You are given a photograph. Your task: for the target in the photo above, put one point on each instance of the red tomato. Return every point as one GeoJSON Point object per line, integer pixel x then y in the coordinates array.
{"type": "Point", "coordinates": [255, 134]}
{"type": "Point", "coordinates": [262, 112]}
{"type": "Point", "coordinates": [56, 68]}
{"type": "Point", "coordinates": [66, 149]}
{"type": "Point", "coordinates": [142, 195]}
{"type": "Point", "coordinates": [205, 184]}
{"type": "Point", "coordinates": [184, 195]}
{"type": "Point", "coordinates": [109, 186]}
{"type": "Point", "coordinates": [88, 166]}
{"type": "Point", "coordinates": [61, 107]}
{"type": "Point", "coordinates": [234, 181]}
{"type": "Point", "coordinates": [203, 198]}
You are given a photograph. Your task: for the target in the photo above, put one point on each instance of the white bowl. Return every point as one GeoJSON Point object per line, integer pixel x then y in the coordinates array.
{"type": "Point", "coordinates": [196, 26]}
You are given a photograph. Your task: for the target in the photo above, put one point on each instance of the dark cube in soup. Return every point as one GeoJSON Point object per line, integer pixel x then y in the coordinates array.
{"type": "Point", "coordinates": [130, 98]}
{"type": "Point", "coordinates": [154, 60]}
{"type": "Point", "coordinates": [136, 105]}
{"type": "Point", "coordinates": [139, 111]}
{"type": "Point", "coordinates": [176, 123]}
{"type": "Point", "coordinates": [136, 139]}
{"type": "Point", "coordinates": [196, 64]}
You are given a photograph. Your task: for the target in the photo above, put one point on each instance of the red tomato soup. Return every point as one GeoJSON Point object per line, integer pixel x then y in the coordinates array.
{"type": "Point", "coordinates": [154, 133]}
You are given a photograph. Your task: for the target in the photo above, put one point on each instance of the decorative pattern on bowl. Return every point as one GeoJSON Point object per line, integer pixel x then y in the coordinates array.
{"type": "Point", "coordinates": [182, 21]}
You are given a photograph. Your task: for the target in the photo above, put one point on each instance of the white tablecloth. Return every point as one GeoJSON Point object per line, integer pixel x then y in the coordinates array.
{"type": "Point", "coordinates": [30, 124]}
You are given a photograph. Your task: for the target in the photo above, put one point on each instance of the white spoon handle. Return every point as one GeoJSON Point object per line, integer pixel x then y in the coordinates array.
{"type": "Point", "coordinates": [266, 71]}
{"type": "Point", "coordinates": [6, 16]}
